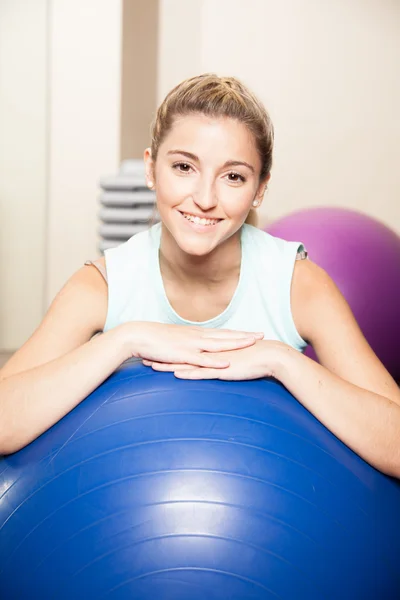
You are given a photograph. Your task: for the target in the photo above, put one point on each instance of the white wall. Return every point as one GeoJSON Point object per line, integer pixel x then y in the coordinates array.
{"type": "Point", "coordinates": [180, 42]}
{"type": "Point", "coordinates": [60, 71]}
{"type": "Point", "coordinates": [328, 74]}
{"type": "Point", "coordinates": [85, 127]}
{"type": "Point", "coordinates": [327, 71]}
{"type": "Point", "coordinates": [23, 167]}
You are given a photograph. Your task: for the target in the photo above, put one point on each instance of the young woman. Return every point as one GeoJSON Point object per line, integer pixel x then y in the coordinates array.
{"type": "Point", "coordinates": [205, 294]}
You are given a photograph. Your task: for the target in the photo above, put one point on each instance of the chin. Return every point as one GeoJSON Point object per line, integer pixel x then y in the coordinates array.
{"type": "Point", "coordinates": [195, 247]}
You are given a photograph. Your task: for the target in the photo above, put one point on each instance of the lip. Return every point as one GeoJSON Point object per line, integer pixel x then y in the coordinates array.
{"type": "Point", "coordinates": [197, 226]}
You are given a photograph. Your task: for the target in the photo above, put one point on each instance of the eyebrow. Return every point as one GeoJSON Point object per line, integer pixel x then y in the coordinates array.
{"type": "Point", "coordinates": [229, 163]}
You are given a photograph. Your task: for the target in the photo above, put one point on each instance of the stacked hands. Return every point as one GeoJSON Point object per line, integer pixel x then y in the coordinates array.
{"type": "Point", "coordinates": [198, 353]}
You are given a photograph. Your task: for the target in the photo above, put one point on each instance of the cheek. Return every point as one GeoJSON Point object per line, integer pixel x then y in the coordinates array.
{"type": "Point", "coordinates": [172, 189]}
{"type": "Point", "coordinates": [236, 202]}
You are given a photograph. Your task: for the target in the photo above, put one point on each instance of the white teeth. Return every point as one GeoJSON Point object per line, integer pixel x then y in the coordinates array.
{"type": "Point", "coordinates": [200, 220]}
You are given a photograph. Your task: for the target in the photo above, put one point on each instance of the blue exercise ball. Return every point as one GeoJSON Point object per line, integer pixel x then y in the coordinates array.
{"type": "Point", "coordinates": [159, 489]}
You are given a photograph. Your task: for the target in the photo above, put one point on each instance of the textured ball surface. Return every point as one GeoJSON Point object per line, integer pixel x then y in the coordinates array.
{"type": "Point", "coordinates": [362, 256]}
{"type": "Point", "coordinates": [155, 488]}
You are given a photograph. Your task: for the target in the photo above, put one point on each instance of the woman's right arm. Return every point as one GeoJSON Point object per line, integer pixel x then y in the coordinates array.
{"type": "Point", "coordinates": [63, 361]}
{"type": "Point", "coordinates": [60, 364]}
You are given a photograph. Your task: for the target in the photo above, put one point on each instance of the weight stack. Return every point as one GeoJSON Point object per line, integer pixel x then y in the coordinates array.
{"type": "Point", "coordinates": [127, 206]}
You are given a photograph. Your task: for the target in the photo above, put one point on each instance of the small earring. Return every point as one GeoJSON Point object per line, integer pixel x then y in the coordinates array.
{"type": "Point", "coordinates": [255, 203]}
{"type": "Point", "coordinates": [150, 184]}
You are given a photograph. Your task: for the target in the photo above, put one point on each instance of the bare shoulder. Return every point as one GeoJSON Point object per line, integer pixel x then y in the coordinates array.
{"type": "Point", "coordinates": [312, 287]}
{"type": "Point", "coordinates": [86, 287]}
{"type": "Point", "coordinates": [77, 313]}
{"type": "Point", "coordinates": [308, 276]}
{"type": "Point", "coordinates": [100, 261]}
{"type": "Point", "coordinates": [100, 265]}
{"type": "Point", "coordinates": [324, 318]}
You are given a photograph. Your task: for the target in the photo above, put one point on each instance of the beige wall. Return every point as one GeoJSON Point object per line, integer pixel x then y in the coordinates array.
{"type": "Point", "coordinates": [23, 167]}
{"type": "Point", "coordinates": [85, 67]}
{"type": "Point", "coordinates": [77, 94]}
{"type": "Point", "coordinates": [103, 97]}
{"type": "Point", "coordinates": [327, 72]}
{"type": "Point", "coordinates": [60, 70]}
{"type": "Point", "coordinates": [180, 42]}
{"type": "Point", "coordinates": [139, 75]}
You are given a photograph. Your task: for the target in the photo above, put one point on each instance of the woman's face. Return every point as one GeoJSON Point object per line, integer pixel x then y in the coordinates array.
{"type": "Point", "coordinates": [207, 176]}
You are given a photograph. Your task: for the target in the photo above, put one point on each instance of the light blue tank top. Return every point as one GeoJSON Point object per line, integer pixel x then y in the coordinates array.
{"type": "Point", "coordinates": [261, 301]}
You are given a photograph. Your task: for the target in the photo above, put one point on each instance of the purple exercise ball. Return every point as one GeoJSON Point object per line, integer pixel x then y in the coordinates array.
{"type": "Point", "coordinates": [362, 256]}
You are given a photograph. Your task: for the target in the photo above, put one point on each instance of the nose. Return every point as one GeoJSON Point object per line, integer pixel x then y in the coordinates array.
{"type": "Point", "coordinates": [205, 196]}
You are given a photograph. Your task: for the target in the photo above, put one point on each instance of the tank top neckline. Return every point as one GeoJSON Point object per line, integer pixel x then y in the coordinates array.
{"type": "Point", "coordinates": [173, 317]}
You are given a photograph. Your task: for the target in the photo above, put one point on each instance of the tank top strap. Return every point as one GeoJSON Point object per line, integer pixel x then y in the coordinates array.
{"type": "Point", "coordinates": [97, 264]}
{"type": "Point", "coordinates": [302, 253]}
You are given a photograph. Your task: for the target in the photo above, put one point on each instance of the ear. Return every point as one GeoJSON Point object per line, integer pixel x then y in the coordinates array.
{"type": "Point", "coordinates": [149, 168]}
{"type": "Point", "coordinates": [262, 188]}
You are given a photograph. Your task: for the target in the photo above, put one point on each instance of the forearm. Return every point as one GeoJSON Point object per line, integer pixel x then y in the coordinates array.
{"type": "Point", "coordinates": [367, 422]}
{"type": "Point", "coordinates": [32, 401]}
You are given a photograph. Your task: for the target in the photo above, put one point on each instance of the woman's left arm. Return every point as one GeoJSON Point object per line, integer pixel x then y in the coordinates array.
{"type": "Point", "coordinates": [350, 391]}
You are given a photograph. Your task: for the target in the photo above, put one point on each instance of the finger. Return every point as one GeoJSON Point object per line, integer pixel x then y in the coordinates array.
{"type": "Point", "coordinates": [231, 334]}
{"type": "Point", "coordinates": [199, 360]}
{"type": "Point", "coordinates": [222, 345]}
{"type": "Point", "coordinates": [149, 363]}
{"type": "Point", "coordinates": [161, 367]}
{"type": "Point", "coordinates": [171, 366]}
{"type": "Point", "coordinates": [209, 361]}
{"type": "Point", "coordinates": [197, 374]}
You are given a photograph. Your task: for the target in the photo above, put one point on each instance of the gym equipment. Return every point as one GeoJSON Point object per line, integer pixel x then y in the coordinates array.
{"type": "Point", "coordinates": [158, 488]}
{"type": "Point", "coordinates": [362, 256]}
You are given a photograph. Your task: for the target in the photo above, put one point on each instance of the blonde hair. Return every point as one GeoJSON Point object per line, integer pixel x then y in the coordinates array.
{"type": "Point", "coordinates": [215, 96]}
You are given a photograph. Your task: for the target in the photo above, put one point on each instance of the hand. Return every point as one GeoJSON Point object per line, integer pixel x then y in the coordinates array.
{"type": "Point", "coordinates": [263, 359]}
{"type": "Point", "coordinates": [179, 344]}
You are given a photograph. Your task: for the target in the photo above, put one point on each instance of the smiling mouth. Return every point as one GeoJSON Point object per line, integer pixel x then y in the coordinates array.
{"type": "Point", "coordinates": [199, 220]}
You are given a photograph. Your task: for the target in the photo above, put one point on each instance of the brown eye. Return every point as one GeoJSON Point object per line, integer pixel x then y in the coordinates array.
{"type": "Point", "coordinates": [182, 167]}
{"type": "Point", "coordinates": [236, 177]}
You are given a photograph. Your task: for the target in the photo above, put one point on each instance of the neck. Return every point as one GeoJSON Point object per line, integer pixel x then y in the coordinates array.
{"type": "Point", "coordinates": [224, 261]}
